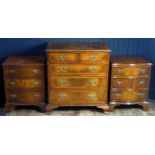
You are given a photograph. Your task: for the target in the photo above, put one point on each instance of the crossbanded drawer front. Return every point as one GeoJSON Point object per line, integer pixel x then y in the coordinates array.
{"type": "Point", "coordinates": [20, 83]}
{"type": "Point", "coordinates": [25, 97]}
{"type": "Point", "coordinates": [63, 57]}
{"type": "Point", "coordinates": [125, 83]}
{"type": "Point", "coordinates": [66, 97]}
{"type": "Point", "coordinates": [94, 57]}
{"type": "Point", "coordinates": [76, 68]}
{"type": "Point", "coordinates": [129, 96]}
{"type": "Point", "coordinates": [25, 72]}
{"type": "Point", "coordinates": [130, 71]}
{"type": "Point", "coordinates": [78, 83]}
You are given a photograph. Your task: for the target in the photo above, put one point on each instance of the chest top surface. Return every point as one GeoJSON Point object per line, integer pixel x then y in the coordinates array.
{"type": "Point", "coordinates": [25, 60]}
{"type": "Point", "coordinates": [77, 46]}
{"type": "Point", "coordinates": [130, 61]}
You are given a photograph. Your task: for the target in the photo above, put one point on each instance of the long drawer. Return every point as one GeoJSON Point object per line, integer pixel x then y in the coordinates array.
{"type": "Point", "coordinates": [25, 97]}
{"type": "Point", "coordinates": [78, 82]}
{"type": "Point", "coordinates": [24, 84]}
{"type": "Point", "coordinates": [75, 96]}
{"type": "Point", "coordinates": [77, 68]}
{"type": "Point", "coordinates": [129, 96]}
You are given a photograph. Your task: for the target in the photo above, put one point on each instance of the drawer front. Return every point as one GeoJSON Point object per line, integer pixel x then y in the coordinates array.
{"type": "Point", "coordinates": [130, 83]}
{"type": "Point", "coordinates": [25, 84]}
{"type": "Point", "coordinates": [67, 97]}
{"type": "Point", "coordinates": [25, 97]}
{"type": "Point", "coordinates": [81, 82]}
{"type": "Point", "coordinates": [130, 71]}
{"type": "Point", "coordinates": [128, 96]}
{"type": "Point", "coordinates": [95, 57]}
{"type": "Point", "coordinates": [24, 72]}
{"type": "Point", "coordinates": [84, 69]}
{"type": "Point", "coordinates": [62, 57]}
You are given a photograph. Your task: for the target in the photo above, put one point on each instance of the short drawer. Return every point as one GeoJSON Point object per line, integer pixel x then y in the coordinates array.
{"type": "Point", "coordinates": [78, 83]}
{"type": "Point", "coordinates": [24, 71]}
{"type": "Point", "coordinates": [77, 68]}
{"type": "Point", "coordinates": [128, 96]}
{"type": "Point", "coordinates": [94, 57]}
{"type": "Point", "coordinates": [67, 97]}
{"type": "Point", "coordinates": [62, 57]}
{"type": "Point", "coordinates": [24, 84]}
{"type": "Point", "coordinates": [25, 97]}
{"type": "Point", "coordinates": [130, 71]}
{"type": "Point", "coordinates": [126, 83]}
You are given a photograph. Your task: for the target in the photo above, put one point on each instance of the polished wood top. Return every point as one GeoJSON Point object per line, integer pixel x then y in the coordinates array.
{"type": "Point", "coordinates": [129, 60]}
{"type": "Point", "coordinates": [25, 60]}
{"type": "Point", "coordinates": [77, 46]}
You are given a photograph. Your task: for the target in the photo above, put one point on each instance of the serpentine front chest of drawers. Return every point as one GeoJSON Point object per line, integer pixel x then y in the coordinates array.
{"type": "Point", "coordinates": [77, 74]}
{"type": "Point", "coordinates": [24, 82]}
{"type": "Point", "coordinates": [130, 81]}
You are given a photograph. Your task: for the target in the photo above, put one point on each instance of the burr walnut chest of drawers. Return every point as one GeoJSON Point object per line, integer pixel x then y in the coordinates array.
{"type": "Point", "coordinates": [77, 74]}
{"type": "Point", "coordinates": [130, 80]}
{"type": "Point", "coordinates": [24, 82]}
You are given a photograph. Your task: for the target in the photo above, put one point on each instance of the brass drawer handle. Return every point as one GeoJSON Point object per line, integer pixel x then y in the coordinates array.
{"type": "Point", "coordinates": [119, 71]}
{"type": "Point", "coordinates": [92, 82]}
{"type": "Point", "coordinates": [119, 82]}
{"type": "Point", "coordinates": [62, 57]}
{"type": "Point", "coordinates": [63, 96]}
{"type": "Point", "coordinates": [93, 57]}
{"type": "Point", "coordinates": [92, 68]}
{"type": "Point", "coordinates": [13, 96]}
{"type": "Point", "coordinates": [36, 83]}
{"type": "Point", "coordinates": [140, 94]}
{"type": "Point", "coordinates": [62, 82]}
{"type": "Point", "coordinates": [35, 96]}
{"type": "Point", "coordinates": [12, 83]}
{"type": "Point", "coordinates": [92, 96]}
{"type": "Point", "coordinates": [142, 71]}
{"type": "Point", "coordinates": [118, 95]}
{"type": "Point", "coordinates": [35, 71]}
{"type": "Point", "coordinates": [62, 69]}
{"type": "Point", "coordinates": [141, 82]}
{"type": "Point", "coordinates": [11, 71]}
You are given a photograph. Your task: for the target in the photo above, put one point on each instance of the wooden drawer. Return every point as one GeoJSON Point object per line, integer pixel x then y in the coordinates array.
{"type": "Point", "coordinates": [62, 57]}
{"type": "Point", "coordinates": [78, 97]}
{"type": "Point", "coordinates": [125, 83]}
{"type": "Point", "coordinates": [94, 57]}
{"type": "Point", "coordinates": [25, 97]}
{"type": "Point", "coordinates": [77, 68]}
{"type": "Point", "coordinates": [24, 71]}
{"type": "Point", "coordinates": [130, 71]}
{"type": "Point", "coordinates": [129, 96]}
{"type": "Point", "coordinates": [22, 84]}
{"type": "Point", "coordinates": [78, 83]}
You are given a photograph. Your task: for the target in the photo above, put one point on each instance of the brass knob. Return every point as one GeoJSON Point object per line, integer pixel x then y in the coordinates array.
{"type": "Point", "coordinates": [62, 82]}
{"type": "Point", "coordinates": [35, 71]}
{"type": "Point", "coordinates": [12, 71]}
{"type": "Point", "coordinates": [119, 71]}
{"type": "Point", "coordinates": [92, 96]}
{"type": "Point", "coordinates": [13, 95]}
{"type": "Point", "coordinates": [142, 71]}
{"type": "Point", "coordinates": [119, 82]}
{"type": "Point", "coordinates": [63, 96]}
{"type": "Point", "coordinates": [36, 83]}
{"type": "Point", "coordinates": [93, 57]}
{"type": "Point", "coordinates": [12, 83]}
{"type": "Point", "coordinates": [141, 82]}
{"type": "Point", "coordinates": [62, 69]}
{"type": "Point", "coordinates": [62, 57]}
{"type": "Point", "coordinates": [118, 95]}
{"type": "Point", "coordinates": [92, 82]}
{"type": "Point", "coordinates": [92, 68]}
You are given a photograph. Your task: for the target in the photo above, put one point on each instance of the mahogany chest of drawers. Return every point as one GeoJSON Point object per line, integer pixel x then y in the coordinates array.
{"type": "Point", "coordinates": [130, 80]}
{"type": "Point", "coordinates": [77, 74]}
{"type": "Point", "coordinates": [24, 82]}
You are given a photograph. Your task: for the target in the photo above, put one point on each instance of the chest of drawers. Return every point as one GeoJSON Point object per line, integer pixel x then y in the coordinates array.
{"type": "Point", "coordinates": [130, 78]}
{"type": "Point", "coordinates": [77, 74]}
{"type": "Point", "coordinates": [24, 79]}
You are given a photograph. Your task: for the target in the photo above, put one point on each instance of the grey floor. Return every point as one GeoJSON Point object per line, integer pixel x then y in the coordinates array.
{"type": "Point", "coordinates": [85, 111]}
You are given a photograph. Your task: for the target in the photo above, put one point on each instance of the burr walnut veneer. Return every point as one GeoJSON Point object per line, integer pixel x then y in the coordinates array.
{"type": "Point", "coordinates": [130, 80]}
{"type": "Point", "coordinates": [77, 74]}
{"type": "Point", "coordinates": [24, 81]}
